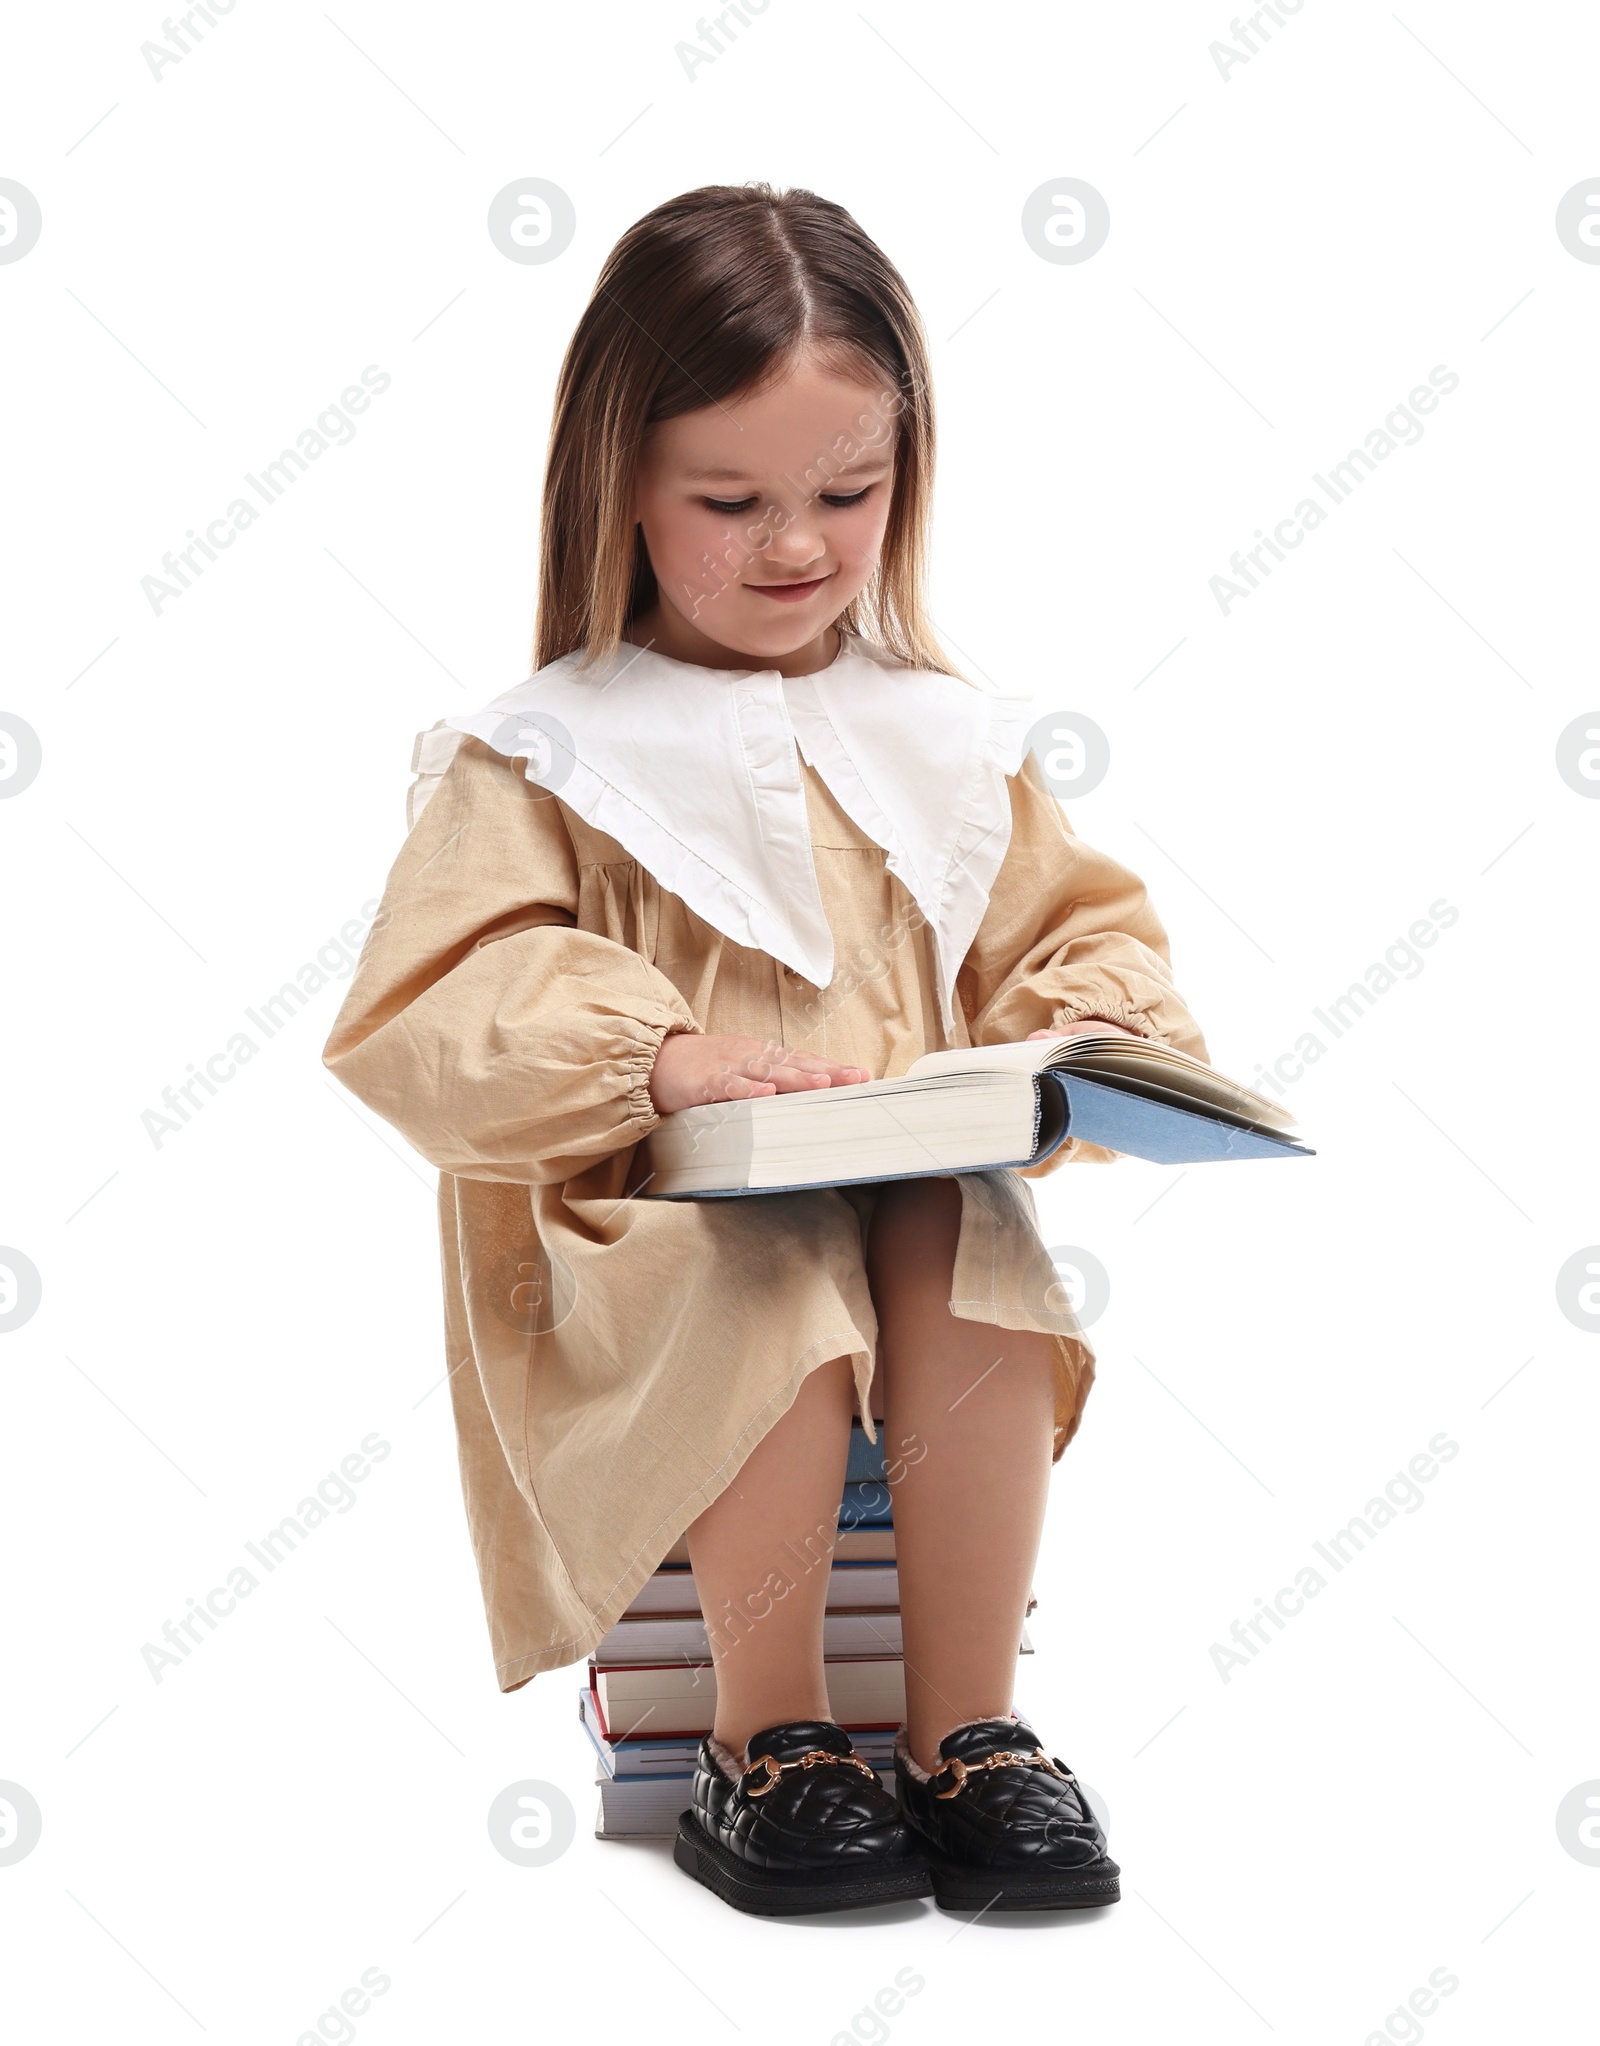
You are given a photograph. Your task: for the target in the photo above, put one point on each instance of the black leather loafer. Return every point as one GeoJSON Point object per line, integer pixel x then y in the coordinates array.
{"type": "Point", "coordinates": [809, 1826]}
{"type": "Point", "coordinates": [1005, 1825]}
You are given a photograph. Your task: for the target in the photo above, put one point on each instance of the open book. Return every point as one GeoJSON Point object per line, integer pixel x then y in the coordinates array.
{"type": "Point", "coordinates": [968, 1111]}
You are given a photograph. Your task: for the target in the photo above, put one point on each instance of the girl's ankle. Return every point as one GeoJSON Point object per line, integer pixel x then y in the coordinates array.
{"type": "Point", "coordinates": [737, 1750]}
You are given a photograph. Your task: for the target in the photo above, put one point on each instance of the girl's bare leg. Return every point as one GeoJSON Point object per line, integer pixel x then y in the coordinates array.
{"type": "Point", "coordinates": [761, 1556]}
{"type": "Point", "coordinates": [969, 1426]}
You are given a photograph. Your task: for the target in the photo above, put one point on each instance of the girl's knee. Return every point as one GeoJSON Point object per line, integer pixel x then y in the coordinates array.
{"type": "Point", "coordinates": [916, 1225]}
{"type": "Point", "coordinates": [903, 1203]}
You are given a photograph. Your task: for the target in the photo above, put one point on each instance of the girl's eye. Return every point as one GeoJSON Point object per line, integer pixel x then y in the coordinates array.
{"type": "Point", "coordinates": [727, 507]}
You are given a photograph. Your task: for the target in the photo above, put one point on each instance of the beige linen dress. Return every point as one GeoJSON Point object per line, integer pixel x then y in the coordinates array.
{"type": "Point", "coordinates": [614, 1359]}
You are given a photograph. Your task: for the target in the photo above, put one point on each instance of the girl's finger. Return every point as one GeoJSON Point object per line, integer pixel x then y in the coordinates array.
{"type": "Point", "coordinates": [797, 1079]}
{"type": "Point", "coordinates": [768, 1062]}
{"type": "Point", "coordinates": [808, 1062]}
{"type": "Point", "coordinates": [844, 1076]}
{"type": "Point", "coordinates": [740, 1087]}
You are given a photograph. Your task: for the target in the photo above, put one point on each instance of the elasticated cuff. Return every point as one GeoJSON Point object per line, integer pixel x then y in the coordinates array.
{"type": "Point", "coordinates": [641, 1109]}
{"type": "Point", "coordinates": [1091, 1008]}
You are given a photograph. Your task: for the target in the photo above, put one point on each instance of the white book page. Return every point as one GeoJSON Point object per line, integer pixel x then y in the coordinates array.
{"type": "Point", "coordinates": [1004, 1058]}
{"type": "Point", "coordinates": [1099, 1051]}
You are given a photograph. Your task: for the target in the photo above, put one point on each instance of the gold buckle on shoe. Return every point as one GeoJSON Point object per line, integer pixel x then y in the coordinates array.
{"type": "Point", "coordinates": [1003, 1758]}
{"type": "Point", "coordinates": [813, 1758]}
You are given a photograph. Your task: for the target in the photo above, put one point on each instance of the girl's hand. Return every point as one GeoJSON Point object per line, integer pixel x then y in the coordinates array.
{"type": "Point", "coordinates": [1087, 1026]}
{"type": "Point", "coordinates": [691, 1068]}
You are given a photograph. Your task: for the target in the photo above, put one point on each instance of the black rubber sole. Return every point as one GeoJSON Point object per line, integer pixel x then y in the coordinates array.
{"type": "Point", "coordinates": [790, 1896]}
{"type": "Point", "coordinates": [957, 1887]}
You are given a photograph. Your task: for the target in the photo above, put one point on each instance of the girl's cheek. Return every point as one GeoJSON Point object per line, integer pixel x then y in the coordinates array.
{"type": "Point", "coordinates": [862, 541]}
{"type": "Point", "coordinates": [688, 541]}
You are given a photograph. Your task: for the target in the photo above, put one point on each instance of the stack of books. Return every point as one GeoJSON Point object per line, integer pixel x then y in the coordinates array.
{"type": "Point", "coordinates": [651, 1691]}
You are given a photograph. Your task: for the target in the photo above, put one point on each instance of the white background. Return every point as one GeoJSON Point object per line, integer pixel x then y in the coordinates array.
{"type": "Point", "coordinates": [225, 1316]}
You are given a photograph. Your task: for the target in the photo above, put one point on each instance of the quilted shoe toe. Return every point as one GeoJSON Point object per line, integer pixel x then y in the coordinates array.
{"type": "Point", "coordinates": [808, 1826]}
{"type": "Point", "coordinates": [1005, 1825]}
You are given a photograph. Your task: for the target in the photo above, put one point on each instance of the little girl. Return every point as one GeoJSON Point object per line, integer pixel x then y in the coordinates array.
{"type": "Point", "coordinates": [745, 832]}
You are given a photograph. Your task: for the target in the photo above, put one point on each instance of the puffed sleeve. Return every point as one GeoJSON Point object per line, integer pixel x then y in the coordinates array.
{"type": "Point", "coordinates": [500, 1040]}
{"type": "Point", "coordinates": [1069, 933]}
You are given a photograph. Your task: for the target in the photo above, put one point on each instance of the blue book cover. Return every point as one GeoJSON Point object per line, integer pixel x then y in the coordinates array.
{"type": "Point", "coordinates": [1141, 1127]}
{"type": "Point", "coordinates": [866, 1458]}
{"type": "Point", "coordinates": [865, 1504]}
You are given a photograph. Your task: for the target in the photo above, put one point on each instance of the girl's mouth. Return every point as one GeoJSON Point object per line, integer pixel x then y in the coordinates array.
{"type": "Point", "coordinates": [789, 593]}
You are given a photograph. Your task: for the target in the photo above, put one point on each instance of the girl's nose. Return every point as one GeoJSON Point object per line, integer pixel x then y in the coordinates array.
{"type": "Point", "coordinates": [800, 544]}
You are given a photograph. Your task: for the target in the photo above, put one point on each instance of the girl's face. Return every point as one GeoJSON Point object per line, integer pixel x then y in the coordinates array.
{"type": "Point", "coordinates": [763, 517]}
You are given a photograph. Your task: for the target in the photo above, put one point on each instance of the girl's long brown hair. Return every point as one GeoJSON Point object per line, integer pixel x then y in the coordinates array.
{"type": "Point", "coordinates": [706, 298]}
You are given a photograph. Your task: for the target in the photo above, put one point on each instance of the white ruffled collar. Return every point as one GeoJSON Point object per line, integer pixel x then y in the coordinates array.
{"type": "Point", "coordinates": [693, 771]}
